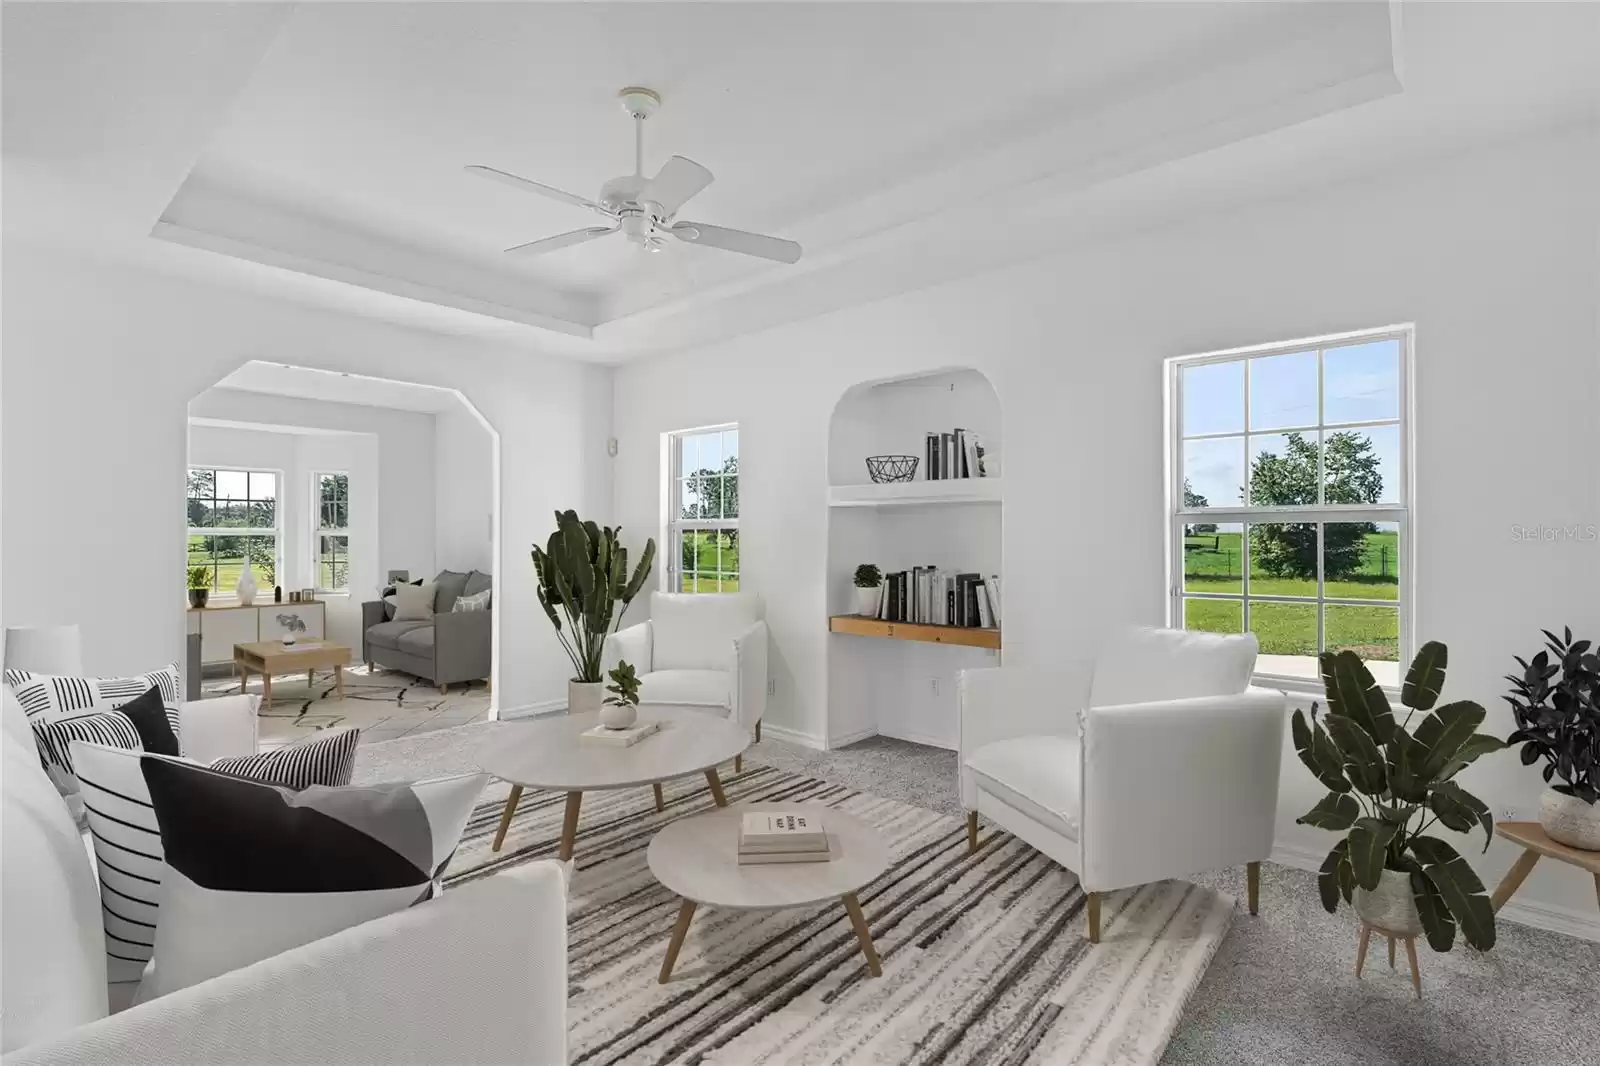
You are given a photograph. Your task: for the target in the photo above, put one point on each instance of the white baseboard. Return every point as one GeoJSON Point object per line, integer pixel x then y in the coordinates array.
{"type": "Point", "coordinates": [791, 736]}
{"type": "Point", "coordinates": [848, 738]}
{"type": "Point", "coordinates": [1545, 916]}
{"type": "Point", "coordinates": [925, 739]}
{"type": "Point", "coordinates": [531, 710]}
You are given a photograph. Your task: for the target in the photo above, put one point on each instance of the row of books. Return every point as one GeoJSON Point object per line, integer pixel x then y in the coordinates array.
{"type": "Point", "coordinates": [956, 454]}
{"type": "Point", "coordinates": [781, 836]}
{"type": "Point", "coordinates": [941, 598]}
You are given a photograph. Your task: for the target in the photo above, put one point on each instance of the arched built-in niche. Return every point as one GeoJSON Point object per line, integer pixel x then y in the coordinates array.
{"type": "Point", "coordinates": [894, 678]}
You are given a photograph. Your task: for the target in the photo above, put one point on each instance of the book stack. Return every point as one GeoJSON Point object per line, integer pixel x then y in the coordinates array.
{"type": "Point", "coordinates": [932, 596]}
{"type": "Point", "coordinates": [781, 836]}
{"type": "Point", "coordinates": [956, 454]}
{"type": "Point", "coordinates": [620, 738]}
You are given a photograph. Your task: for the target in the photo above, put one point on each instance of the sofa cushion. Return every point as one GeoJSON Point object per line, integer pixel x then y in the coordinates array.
{"type": "Point", "coordinates": [1141, 664]}
{"type": "Point", "coordinates": [388, 634]}
{"type": "Point", "coordinates": [1039, 775]}
{"type": "Point", "coordinates": [702, 688]}
{"type": "Point", "coordinates": [692, 631]}
{"type": "Point", "coordinates": [478, 581]}
{"type": "Point", "coordinates": [448, 586]}
{"type": "Point", "coordinates": [418, 641]}
{"type": "Point", "coordinates": [53, 968]}
{"type": "Point", "coordinates": [414, 603]}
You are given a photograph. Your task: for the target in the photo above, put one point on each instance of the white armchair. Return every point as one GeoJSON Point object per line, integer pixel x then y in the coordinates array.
{"type": "Point", "coordinates": [706, 651]}
{"type": "Point", "coordinates": [1157, 760]}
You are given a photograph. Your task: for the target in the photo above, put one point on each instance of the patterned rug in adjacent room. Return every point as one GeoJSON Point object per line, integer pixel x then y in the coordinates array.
{"type": "Point", "coordinates": [984, 956]}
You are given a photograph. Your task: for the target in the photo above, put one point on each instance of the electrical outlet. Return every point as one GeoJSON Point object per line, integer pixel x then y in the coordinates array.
{"type": "Point", "coordinates": [933, 683]}
{"type": "Point", "coordinates": [1509, 815]}
{"type": "Point", "coordinates": [772, 686]}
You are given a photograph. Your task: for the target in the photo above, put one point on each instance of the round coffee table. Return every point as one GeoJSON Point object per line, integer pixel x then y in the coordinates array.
{"type": "Point", "coordinates": [549, 753]}
{"type": "Point", "coordinates": [698, 858]}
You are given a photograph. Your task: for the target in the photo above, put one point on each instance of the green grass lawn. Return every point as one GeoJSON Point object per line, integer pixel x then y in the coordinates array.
{"type": "Point", "coordinates": [228, 568]}
{"type": "Point", "coordinates": [715, 564]}
{"type": "Point", "coordinates": [1212, 562]}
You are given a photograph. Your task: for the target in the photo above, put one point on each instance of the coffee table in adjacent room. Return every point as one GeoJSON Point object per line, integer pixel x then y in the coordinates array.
{"type": "Point", "coordinates": [270, 657]}
{"type": "Point", "coordinates": [698, 858]}
{"type": "Point", "coordinates": [549, 753]}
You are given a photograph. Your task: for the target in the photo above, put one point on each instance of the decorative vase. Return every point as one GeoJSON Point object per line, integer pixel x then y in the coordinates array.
{"type": "Point", "coordinates": [585, 696]}
{"type": "Point", "coordinates": [867, 600]}
{"type": "Point", "coordinates": [618, 716]}
{"type": "Point", "coordinates": [247, 585]}
{"type": "Point", "coordinates": [1570, 821]}
{"type": "Point", "coordinates": [1391, 906]}
{"type": "Point", "coordinates": [199, 597]}
{"type": "Point", "coordinates": [277, 594]}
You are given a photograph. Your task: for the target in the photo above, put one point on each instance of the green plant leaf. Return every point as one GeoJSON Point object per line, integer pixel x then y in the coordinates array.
{"type": "Point", "coordinates": [1318, 752]}
{"type": "Point", "coordinates": [1425, 678]}
{"type": "Point", "coordinates": [1477, 744]}
{"type": "Point", "coordinates": [1403, 756]}
{"type": "Point", "coordinates": [1460, 889]}
{"type": "Point", "coordinates": [1442, 734]}
{"type": "Point", "coordinates": [1352, 693]}
{"type": "Point", "coordinates": [1328, 876]}
{"type": "Point", "coordinates": [1335, 811]}
{"type": "Point", "coordinates": [646, 559]}
{"type": "Point", "coordinates": [1363, 762]}
{"type": "Point", "coordinates": [1460, 810]}
{"type": "Point", "coordinates": [1436, 920]}
{"type": "Point", "coordinates": [1369, 842]}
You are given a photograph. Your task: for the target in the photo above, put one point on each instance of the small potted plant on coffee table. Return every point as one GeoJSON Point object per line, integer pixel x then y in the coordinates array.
{"type": "Point", "coordinates": [869, 580]}
{"type": "Point", "coordinates": [1556, 704]}
{"type": "Point", "coordinates": [621, 708]}
{"type": "Point", "coordinates": [199, 586]}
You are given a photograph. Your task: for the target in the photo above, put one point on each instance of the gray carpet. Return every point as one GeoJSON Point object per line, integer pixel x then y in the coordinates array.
{"type": "Point", "coordinates": [1282, 988]}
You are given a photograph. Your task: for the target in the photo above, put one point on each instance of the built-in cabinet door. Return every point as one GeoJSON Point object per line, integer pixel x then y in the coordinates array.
{"type": "Point", "coordinates": [222, 628]}
{"type": "Point", "coordinates": [304, 620]}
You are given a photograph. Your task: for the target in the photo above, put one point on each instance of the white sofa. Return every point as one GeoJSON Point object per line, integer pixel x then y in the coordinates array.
{"type": "Point", "coordinates": [700, 650]}
{"type": "Point", "coordinates": [1157, 760]}
{"type": "Point", "coordinates": [475, 976]}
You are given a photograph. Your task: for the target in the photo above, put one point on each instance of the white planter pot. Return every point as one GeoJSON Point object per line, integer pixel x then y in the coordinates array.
{"type": "Point", "coordinates": [613, 716]}
{"type": "Point", "coordinates": [585, 696]}
{"type": "Point", "coordinates": [1570, 821]}
{"type": "Point", "coordinates": [867, 601]}
{"type": "Point", "coordinates": [1391, 905]}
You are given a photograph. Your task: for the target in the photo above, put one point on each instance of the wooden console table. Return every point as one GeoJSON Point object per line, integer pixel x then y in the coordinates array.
{"type": "Point", "coordinates": [1535, 844]}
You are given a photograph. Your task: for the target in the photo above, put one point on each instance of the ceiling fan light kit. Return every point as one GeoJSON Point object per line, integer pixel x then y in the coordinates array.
{"type": "Point", "coordinates": [645, 209]}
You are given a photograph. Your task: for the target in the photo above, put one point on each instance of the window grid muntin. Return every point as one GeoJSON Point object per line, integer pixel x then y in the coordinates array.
{"type": "Point", "coordinates": [679, 527]}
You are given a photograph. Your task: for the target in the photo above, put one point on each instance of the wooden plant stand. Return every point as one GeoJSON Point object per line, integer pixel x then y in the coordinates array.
{"type": "Point", "coordinates": [1367, 929]}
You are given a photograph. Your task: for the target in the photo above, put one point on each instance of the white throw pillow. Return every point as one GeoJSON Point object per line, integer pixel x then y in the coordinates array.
{"type": "Point", "coordinates": [1142, 664]}
{"type": "Point", "coordinates": [476, 602]}
{"type": "Point", "coordinates": [414, 603]}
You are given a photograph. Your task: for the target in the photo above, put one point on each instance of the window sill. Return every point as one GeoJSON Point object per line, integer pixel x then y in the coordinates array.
{"type": "Point", "coordinates": [1310, 687]}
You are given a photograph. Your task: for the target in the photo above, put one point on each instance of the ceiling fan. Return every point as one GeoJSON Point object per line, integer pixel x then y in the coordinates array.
{"type": "Point", "coordinates": [645, 209]}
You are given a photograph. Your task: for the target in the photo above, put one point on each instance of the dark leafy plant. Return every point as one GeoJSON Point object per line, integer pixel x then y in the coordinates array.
{"type": "Point", "coordinates": [583, 575]}
{"type": "Point", "coordinates": [199, 577]}
{"type": "Point", "coordinates": [868, 576]}
{"type": "Point", "coordinates": [1556, 704]}
{"type": "Point", "coordinates": [1387, 785]}
{"type": "Point", "coordinates": [624, 687]}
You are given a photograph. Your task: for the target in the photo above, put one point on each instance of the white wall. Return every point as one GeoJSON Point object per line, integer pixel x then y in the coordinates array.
{"type": "Point", "coordinates": [1493, 256]}
{"type": "Point", "coordinates": [100, 364]}
{"type": "Point", "coordinates": [464, 461]}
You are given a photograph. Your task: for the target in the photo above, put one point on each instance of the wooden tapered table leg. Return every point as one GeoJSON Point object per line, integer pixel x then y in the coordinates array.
{"type": "Point", "coordinates": [1416, 974]}
{"type": "Point", "coordinates": [1597, 888]}
{"type": "Point", "coordinates": [758, 730]}
{"type": "Point", "coordinates": [244, 678]}
{"type": "Point", "coordinates": [569, 825]}
{"type": "Point", "coordinates": [1391, 952]}
{"type": "Point", "coordinates": [1252, 875]}
{"type": "Point", "coordinates": [716, 787]}
{"type": "Point", "coordinates": [1361, 952]}
{"type": "Point", "coordinates": [738, 764]}
{"type": "Point", "coordinates": [863, 934]}
{"type": "Point", "coordinates": [266, 689]}
{"type": "Point", "coordinates": [661, 802]}
{"type": "Point", "coordinates": [311, 677]}
{"type": "Point", "coordinates": [679, 931]}
{"type": "Point", "coordinates": [1093, 905]}
{"type": "Point", "coordinates": [972, 832]}
{"type": "Point", "coordinates": [505, 819]}
{"type": "Point", "coordinates": [1516, 875]}
{"type": "Point", "coordinates": [338, 680]}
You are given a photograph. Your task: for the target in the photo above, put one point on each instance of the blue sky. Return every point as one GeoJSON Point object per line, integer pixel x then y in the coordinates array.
{"type": "Point", "coordinates": [1361, 384]}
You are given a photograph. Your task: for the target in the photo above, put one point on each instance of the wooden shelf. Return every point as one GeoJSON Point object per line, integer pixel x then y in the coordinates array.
{"type": "Point", "coordinates": [856, 625]}
{"type": "Point", "coordinates": [909, 493]}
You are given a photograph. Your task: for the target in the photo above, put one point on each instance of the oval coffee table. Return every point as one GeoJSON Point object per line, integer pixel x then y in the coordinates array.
{"type": "Point", "coordinates": [698, 858]}
{"type": "Point", "coordinates": [549, 753]}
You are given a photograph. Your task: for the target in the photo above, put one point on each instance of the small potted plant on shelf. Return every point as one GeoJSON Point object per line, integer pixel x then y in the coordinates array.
{"type": "Point", "coordinates": [621, 708]}
{"type": "Point", "coordinates": [583, 578]}
{"type": "Point", "coordinates": [1388, 784]}
{"type": "Point", "coordinates": [1556, 704]}
{"type": "Point", "coordinates": [869, 581]}
{"type": "Point", "coordinates": [199, 586]}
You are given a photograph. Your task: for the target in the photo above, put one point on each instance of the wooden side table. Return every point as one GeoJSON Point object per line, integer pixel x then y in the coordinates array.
{"type": "Point", "coordinates": [1535, 844]}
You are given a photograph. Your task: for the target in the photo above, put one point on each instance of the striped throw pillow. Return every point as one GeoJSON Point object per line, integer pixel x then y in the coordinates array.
{"type": "Point", "coordinates": [323, 759]}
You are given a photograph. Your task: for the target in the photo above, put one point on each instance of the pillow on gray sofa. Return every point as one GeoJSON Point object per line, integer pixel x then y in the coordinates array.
{"type": "Point", "coordinates": [414, 603]}
{"type": "Point", "coordinates": [450, 584]}
{"type": "Point", "coordinates": [478, 581]}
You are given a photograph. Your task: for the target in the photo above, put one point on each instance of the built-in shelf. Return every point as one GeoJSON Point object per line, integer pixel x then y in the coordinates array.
{"type": "Point", "coordinates": [906, 493]}
{"type": "Point", "coordinates": [966, 636]}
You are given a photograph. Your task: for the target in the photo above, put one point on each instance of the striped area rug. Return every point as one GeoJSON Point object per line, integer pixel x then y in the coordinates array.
{"type": "Point", "coordinates": [984, 956]}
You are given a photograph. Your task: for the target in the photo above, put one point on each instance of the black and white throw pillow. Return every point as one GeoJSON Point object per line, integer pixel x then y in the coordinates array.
{"type": "Point", "coordinates": [476, 602]}
{"type": "Point", "coordinates": [127, 839]}
{"type": "Point", "coordinates": [157, 726]}
{"type": "Point", "coordinates": [327, 758]}
{"type": "Point", "coordinates": [51, 697]}
{"type": "Point", "coordinates": [54, 739]}
{"type": "Point", "coordinates": [253, 870]}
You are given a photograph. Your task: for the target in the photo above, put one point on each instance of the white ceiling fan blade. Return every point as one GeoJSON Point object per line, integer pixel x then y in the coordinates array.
{"type": "Point", "coordinates": [527, 185]}
{"type": "Point", "coordinates": [678, 180]}
{"type": "Point", "coordinates": [562, 240]}
{"type": "Point", "coordinates": [737, 240]}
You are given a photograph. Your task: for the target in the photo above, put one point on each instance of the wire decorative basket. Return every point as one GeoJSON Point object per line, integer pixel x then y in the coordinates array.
{"type": "Point", "coordinates": [884, 468]}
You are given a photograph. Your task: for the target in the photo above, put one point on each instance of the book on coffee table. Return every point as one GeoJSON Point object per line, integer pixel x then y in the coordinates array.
{"type": "Point", "coordinates": [781, 836]}
{"type": "Point", "coordinates": [620, 738]}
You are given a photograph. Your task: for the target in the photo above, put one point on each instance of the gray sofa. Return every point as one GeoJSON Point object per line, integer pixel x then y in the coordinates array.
{"type": "Point", "coordinates": [452, 647]}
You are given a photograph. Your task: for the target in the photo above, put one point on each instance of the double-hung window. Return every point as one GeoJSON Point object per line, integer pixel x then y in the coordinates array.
{"type": "Point", "coordinates": [331, 537]}
{"type": "Point", "coordinates": [1289, 499]}
{"type": "Point", "coordinates": [703, 510]}
{"type": "Point", "coordinates": [233, 516]}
